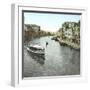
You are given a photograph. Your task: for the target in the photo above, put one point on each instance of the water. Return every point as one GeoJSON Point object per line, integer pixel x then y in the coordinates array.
{"type": "Point", "coordinates": [58, 60]}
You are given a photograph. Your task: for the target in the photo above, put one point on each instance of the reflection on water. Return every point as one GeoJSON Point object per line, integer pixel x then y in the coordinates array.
{"type": "Point", "coordinates": [38, 58]}
{"type": "Point", "coordinates": [58, 60]}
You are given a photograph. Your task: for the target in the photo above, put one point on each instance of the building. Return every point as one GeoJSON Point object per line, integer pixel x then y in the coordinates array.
{"type": "Point", "coordinates": [35, 27]}
{"type": "Point", "coordinates": [67, 28]}
{"type": "Point", "coordinates": [71, 31]}
{"type": "Point", "coordinates": [31, 31]}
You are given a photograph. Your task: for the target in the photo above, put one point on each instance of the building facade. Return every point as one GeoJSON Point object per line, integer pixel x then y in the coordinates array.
{"type": "Point", "coordinates": [71, 31]}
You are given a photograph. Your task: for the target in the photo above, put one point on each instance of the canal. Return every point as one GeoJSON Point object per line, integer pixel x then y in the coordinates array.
{"type": "Point", "coordinates": [58, 60]}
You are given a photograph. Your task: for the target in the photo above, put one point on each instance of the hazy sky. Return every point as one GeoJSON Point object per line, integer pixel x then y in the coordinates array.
{"type": "Point", "coordinates": [48, 21]}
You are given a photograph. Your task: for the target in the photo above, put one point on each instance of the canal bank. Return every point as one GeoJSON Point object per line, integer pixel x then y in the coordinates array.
{"type": "Point", "coordinates": [67, 43]}
{"type": "Point", "coordinates": [64, 42]}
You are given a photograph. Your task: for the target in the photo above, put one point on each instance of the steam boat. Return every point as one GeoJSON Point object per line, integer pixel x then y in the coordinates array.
{"type": "Point", "coordinates": [36, 49]}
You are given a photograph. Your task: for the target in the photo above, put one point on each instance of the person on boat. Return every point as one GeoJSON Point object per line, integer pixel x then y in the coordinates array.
{"type": "Point", "coordinates": [46, 44]}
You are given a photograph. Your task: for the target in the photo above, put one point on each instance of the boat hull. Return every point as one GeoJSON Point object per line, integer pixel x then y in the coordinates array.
{"type": "Point", "coordinates": [36, 52]}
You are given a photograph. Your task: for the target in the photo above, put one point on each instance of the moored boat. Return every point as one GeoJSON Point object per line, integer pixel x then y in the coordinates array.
{"type": "Point", "coordinates": [36, 49]}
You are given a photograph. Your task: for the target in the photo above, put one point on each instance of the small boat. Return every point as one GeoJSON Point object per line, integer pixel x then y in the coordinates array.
{"type": "Point", "coordinates": [54, 38]}
{"type": "Point", "coordinates": [36, 49]}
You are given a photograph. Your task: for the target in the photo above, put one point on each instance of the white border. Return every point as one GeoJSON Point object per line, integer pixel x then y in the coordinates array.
{"type": "Point", "coordinates": [16, 65]}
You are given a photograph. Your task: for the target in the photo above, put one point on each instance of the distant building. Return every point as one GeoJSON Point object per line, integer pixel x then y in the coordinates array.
{"type": "Point", "coordinates": [31, 31]}
{"type": "Point", "coordinates": [35, 27]}
{"type": "Point", "coordinates": [28, 27]}
{"type": "Point", "coordinates": [25, 28]}
{"type": "Point", "coordinates": [68, 33]}
{"type": "Point", "coordinates": [71, 31]}
{"type": "Point", "coordinates": [67, 28]}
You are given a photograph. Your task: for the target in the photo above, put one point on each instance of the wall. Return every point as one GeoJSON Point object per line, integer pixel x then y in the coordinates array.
{"type": "Point", "coordinates": [5, 44]}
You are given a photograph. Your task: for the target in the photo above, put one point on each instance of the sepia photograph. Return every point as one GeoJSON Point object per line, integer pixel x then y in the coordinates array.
{"type": "Point", "coordinates": [51, 43]}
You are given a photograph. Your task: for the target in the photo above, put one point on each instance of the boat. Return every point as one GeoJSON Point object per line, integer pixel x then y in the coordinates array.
{"type": "Point", "coordinates": [54, 38]}
{"type": "Point", "coordinates": [36, 49]}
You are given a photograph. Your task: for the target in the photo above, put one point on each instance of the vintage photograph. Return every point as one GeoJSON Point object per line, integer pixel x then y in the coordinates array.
{"type": "Point", "coordinates": [51, 43]}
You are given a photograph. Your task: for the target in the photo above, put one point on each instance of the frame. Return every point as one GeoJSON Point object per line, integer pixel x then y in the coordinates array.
{"type": "Point", "coordinates": [17, 53]}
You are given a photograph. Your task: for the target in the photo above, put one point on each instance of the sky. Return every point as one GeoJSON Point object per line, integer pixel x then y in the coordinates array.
{"type": "Point", "coordinates": [48, 21]}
